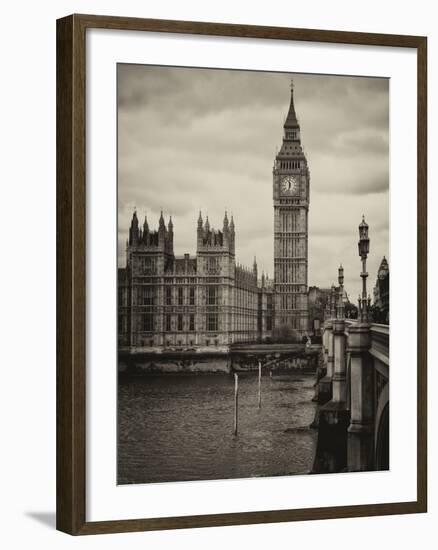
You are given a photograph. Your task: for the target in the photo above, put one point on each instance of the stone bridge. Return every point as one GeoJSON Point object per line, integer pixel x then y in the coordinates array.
{"type": "Point", "coordinates": [353, 396]}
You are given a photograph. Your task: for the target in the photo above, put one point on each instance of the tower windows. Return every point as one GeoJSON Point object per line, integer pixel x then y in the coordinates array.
{"type": "Point", "coordinates": [146, 296]}
{"type": "Point", "coordinates": [147, 322]}
{"type": "Point", "coordinates": [122, 296]}
{"type": "Point", "coordinates": [212, 296]}
{"type": "Point", "coordinates": [192, 323]}
{"type": "Point", "coordinates": [180, 296]}
{"type": "Point", "coordinates": [148, 265]}
{"type": "Point", "coordinates": [213, 265]}
{"type": "Point", "coordinates": [291, 134]}
{"type": "Point", "coordinates": [168, 324]}
{"type": "Point", "coordinates": [168, 296]}
{"type": "Point", "coordinates": [192, 296]}
{"type": "Point", "coordinates": [180, 322]}
{"type": "Point", "coordinates": [212, 322]}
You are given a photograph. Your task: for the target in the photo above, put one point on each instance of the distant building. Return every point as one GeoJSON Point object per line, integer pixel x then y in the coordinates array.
{"type": "Point", "coordinates": [317, 299]}
{"type": "Point", "coordinates": [206, 301]}
{"type": "Point", "coordinates": [209, 300]}
{"type": "Point", "coordinates": [381, 294]}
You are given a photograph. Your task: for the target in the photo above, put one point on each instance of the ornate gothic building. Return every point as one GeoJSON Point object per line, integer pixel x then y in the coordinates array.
{"type": "Point", "coordinates": [291, 179]}
{"type": "Point", "coordinates": [206, 301]}
{"type": "Point", "coordinates": [209, 301]}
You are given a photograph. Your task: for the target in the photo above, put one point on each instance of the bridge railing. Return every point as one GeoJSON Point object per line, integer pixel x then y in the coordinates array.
{"type": "Point", "coordinates": [352, 395]}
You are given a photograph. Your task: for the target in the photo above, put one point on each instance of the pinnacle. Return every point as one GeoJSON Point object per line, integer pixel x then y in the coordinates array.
{"type": "Point", "coordinates": [291, 119]}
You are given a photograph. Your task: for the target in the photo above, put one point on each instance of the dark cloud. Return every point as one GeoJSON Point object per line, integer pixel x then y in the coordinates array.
{"type": "Point", "coordinates": [193, 139]}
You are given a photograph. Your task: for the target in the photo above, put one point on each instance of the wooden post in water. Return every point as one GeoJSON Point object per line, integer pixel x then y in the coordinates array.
{"type": "Point", "coordinates": [236, 400]}
{"type": "Point", "coordinates": [260, 385]}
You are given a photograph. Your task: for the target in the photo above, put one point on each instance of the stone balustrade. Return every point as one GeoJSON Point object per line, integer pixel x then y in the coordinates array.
{"type": "Point", "coordinates": [353, 397]}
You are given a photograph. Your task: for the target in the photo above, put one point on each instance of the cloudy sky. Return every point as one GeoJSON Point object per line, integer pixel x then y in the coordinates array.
{"type": "Point", "coordinates": [203, 139]}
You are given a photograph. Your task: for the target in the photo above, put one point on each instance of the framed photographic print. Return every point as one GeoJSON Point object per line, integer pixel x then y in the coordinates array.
{"type": "Point", "coordinates": [231, 204]}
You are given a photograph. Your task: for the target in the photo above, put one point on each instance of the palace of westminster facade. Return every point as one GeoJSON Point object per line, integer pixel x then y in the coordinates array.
{"type": "Point", "coordinates": [209, 301]}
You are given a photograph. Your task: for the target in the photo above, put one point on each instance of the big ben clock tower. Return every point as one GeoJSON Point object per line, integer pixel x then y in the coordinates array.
{"type": "Point", "coordinates": [291, 180]}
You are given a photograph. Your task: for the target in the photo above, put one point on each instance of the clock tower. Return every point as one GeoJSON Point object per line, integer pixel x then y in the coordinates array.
{"type": "Point", "coordinates": [291, 178]}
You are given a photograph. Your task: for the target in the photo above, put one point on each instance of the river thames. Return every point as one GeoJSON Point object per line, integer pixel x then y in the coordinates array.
{"type": "Point", "coordinates": [180, 427]}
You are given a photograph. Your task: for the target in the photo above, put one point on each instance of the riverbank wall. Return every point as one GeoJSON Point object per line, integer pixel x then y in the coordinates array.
{"type": "Point", "coordinates": [281, 358]}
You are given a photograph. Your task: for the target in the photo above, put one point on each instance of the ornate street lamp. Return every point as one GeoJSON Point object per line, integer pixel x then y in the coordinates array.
{"type": "Point", "coordinates": [341, 292]}
{"type": "Point", "coordinates": [333, 302]}
{"type": "Point", "coordinates": [364, 248]}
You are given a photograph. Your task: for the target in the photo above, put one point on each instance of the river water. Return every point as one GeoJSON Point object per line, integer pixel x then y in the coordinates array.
{"type": "Point", "coordinates": [180, 427]}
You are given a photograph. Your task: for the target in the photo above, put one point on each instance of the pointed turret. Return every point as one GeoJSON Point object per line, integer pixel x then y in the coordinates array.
{"type": "Point", "coordinates": [383, 268]}
{"type": "Point", "coordinates": [134, 221]}
{"type": "Point", "coordinates": [145, 226]}
{"type": "Point", "coordinates": [133, 231]}
{"type": "Point", "coordinates": [226, 225]}
{"type": "Point", "coordinates": [169, 236]}
{"type": "Point", "coordinates": [199, 232]}
{"type": "Point", "coordinates": [291, 119]}
{"type": "Point", "coordinates": [232, 236]}
{"type": "Point", "coordinates": [207, 224]}
{"type": "Point", "coordinates": [363, 224]}
{"type": "Point", "coordinates": [162, 232]}
{"type": "Point", "coordinates": [161, 224]}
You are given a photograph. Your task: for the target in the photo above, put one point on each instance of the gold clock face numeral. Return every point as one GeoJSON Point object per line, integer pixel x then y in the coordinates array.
{"type": "Point", "coordinates": [289, 184]}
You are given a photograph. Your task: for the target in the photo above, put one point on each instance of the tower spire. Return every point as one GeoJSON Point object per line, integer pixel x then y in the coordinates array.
{"type": "Point", "coordinates": [133, 230]}
{"type": "Point", "coordinates": [161, 221]}
{"type": "Point", "coordinates": [225, 225]}
{"type": "Point", "coordinates": [291, 119]}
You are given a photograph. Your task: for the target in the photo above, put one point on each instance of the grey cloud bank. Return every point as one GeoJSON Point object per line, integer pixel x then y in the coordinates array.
{"type": "Point", "coordinates": [202, 139]}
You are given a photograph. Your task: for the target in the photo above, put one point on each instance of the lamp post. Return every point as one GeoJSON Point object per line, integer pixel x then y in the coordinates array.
{"type": "Point", "coordinates": [340, 311]}
{"type": "Point", "coordinates": [362, 379]}
{"type": "Point", "coordinates": [333, 302]}
{"type": "Point", "coordinates": [364, 248]}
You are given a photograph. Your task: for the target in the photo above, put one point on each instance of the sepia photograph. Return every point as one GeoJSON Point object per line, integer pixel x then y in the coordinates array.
{"type": "Point", "coordinates": [253, 274]}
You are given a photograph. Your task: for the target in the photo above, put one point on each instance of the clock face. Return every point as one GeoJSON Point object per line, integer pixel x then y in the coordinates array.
{"type": "Point", "coordinates": [289, 184]}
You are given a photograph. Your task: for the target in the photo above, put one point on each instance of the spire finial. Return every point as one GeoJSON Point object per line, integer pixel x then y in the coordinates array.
{"type": "Point", "coordinates": [161, 220]}
{"type": "Point", "coordinates": [291, 121]}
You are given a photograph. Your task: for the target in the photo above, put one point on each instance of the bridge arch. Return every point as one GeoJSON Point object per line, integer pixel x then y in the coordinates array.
{"type": "Point", "coordinates": [382, 431]}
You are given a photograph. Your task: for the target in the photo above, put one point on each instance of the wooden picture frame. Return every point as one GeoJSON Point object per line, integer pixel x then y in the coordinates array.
{"type": "Point", "coordinates": [71, 273]}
